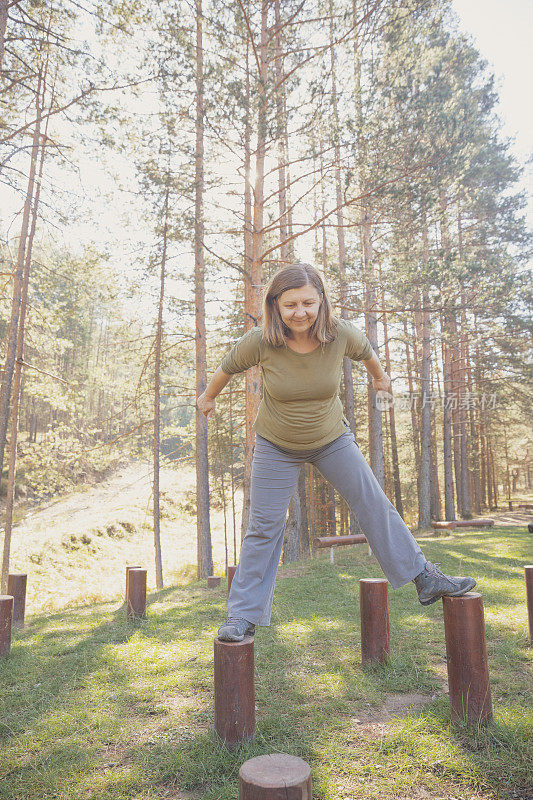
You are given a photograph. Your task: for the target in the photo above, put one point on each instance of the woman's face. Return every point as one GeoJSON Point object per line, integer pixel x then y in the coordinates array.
{"type": "Point", "coordinates": [299, 308]}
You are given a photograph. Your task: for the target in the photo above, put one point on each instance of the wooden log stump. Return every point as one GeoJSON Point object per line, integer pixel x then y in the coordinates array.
{"type": "Point", "coordinates": [275, 777]}
{"type": "Point", "coordinates": [528, 570]}
{"type": "Point", "coordinates": [6, 620]}
{"type": "Point", "coordinates": [462, 523]}
{"type": "Point", "coordinates": [374, 608]}
{"type": "Point", "coordinates": [16, 587]}
{"type": "Point", "coordinates": [212, 581]}
{"type": "Point", "coordinates": [444, 526]}
{"type": "Point", "coordinates": [136, 597]}
{"type": "Point", "coordinates": [466, 653]}
{"type": "Point", "coordinates": [231, 574]}
{"type": "Point", "coordinates": [338, 541]}
{"type": "Point", "coordinates": [234, 690]}
{"type": "Point", "coordinates": [137, 566]}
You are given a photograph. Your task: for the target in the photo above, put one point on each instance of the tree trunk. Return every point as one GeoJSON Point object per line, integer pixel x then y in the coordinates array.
{"type": "Point", "coordinates": [455, 376]}
{"type": "Point", "coordinates": [349, 405]}
{"type": "Point", "coordinates": [35, 187]}
{"type": "Point", "coordinates": [295, 508]}
{"type": "Point", "coordinates": [375, 429]}
{"type": "Point", "coordinates": [424, 484]}
{"type": "Point", "coordinates": [304, 523]}
{"type": "Point", "coordinates": [5, 398]}
{"type": "Point", "coordinates": [412, 399]}
{"type": "Point", "coordinates": [507, 470]}
{"type": "Point", "coordinates": [4, 5]}
{"type": "Point", "coordinates": [436, 512]}
{"type": "Point", "coordinates": [252, 375]}
{"type": "Point", "coordinates": [392, 419]}
{"type": "Point", "coordinates": [157, 399]}
{"type": "Point", "coordinates": [474, 438]}
{"type": "Point", "coordinates": [281, 125]}
{"type": "Point", "coordinates": [203, 528]}
{"type": "Point", "coordinates": [291, 543]}
{"type": "Point", "coordinates": [312, 502]}
{"type": "Point", "coordinates": [253, 298]}
{"type": "Point", "coordinates": [232, 451]}
{"type": "Point", "coordinates": [449, 502]}
{"type": "Point", "coordinates": [451, 383]}
{"type": "Point", "coordinates": [332, 511]}
{"type": "Point", "coordinates": [466, 509]}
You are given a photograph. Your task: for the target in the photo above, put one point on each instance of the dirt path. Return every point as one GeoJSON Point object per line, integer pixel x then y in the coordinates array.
{"type": "Point", "coordinates": [509, 518]}
{"type": "Point", "coordinates": [75, 548]}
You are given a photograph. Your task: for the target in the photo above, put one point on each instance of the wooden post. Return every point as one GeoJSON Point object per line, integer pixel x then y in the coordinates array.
{"type": "Point", "coordinates": [136, 597]}
{"type": "Point", "coordinates": [138, 566]}
{"type": "Point", "coordinates": [6, 619]}
{"type": "Point", "coordinates": [528, 570]}
{"type": "Point", "coordinates": [275, 777]}
{"type": "Point", "coordinates": [374, 607]}
{"type": "Point", "coordinates": [466, 652]}
{"type": "Point", "coordinates": [16, 587]}
{"type": "Point", "coordinates": [212, 581]}
{"type": "Point", "coordinates": [231, 574]}
{"type": "Point", "coordinates": [234, 691]}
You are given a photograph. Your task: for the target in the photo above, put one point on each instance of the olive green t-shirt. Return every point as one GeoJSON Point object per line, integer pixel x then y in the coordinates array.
{"type": "Point", "coordinates": [300, 408]}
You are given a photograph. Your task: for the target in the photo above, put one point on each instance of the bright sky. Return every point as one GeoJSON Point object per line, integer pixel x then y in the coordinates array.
{"type": "Point", "coordinates": [503, 31]}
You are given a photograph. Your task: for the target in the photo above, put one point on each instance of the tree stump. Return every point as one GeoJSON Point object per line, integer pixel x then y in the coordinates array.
{"type": "Point", "coordinates": [212, 581]}
{"type": "Point", "coordinates": [16, 587]}
{"type": "Point", "coordinates": [231, 574]}
{"type": "Point", "coordinates": [137, 566]}
{"type": "Point", "coordinates": [136, 597]}
{"type": "Point", "coordinates": [6, 619]}
{"type": "Point", "coordinates": [234, 691]}
{"type": "Point", "coordinates": [374, 607]}
{"type": "Point", "coordinates": [466, 652]}
{"type": "Point", "coordinates": [275, 777]}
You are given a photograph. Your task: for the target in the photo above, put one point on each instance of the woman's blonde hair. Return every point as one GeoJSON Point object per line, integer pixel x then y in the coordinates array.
{"type": "Point", "coordinates": [294, 276]}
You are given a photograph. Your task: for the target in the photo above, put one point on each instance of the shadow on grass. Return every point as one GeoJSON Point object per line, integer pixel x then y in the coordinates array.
{"type": "Point", "coordinates": [310, 678]}
{"type": "Point", "coordinates": [84, 675]}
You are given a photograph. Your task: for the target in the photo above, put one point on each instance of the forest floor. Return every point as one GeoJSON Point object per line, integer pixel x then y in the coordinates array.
{"type": "Point", "coordinates": [97, 708]}
{"type": "Point", "coordinates": [76, 546]}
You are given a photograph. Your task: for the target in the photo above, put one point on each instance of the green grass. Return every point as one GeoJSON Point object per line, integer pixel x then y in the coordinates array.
{"type": "Point", "coordinates": [96, 708]}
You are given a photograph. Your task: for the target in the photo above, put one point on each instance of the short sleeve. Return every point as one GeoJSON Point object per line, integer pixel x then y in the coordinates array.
{"type": "Point", "coordinates": [358, 347]}
{"type": "Point", "coordinates": [244, 354]}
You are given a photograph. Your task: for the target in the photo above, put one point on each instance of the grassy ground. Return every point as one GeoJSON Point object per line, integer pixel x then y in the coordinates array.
{"type": "Point", "coordinates": [74, 547]}
{"type": "Point", "coordinates": [96, 708]}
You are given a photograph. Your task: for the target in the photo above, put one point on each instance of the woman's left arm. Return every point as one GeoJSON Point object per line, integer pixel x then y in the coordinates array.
{"type": "Point", "coordinates": [380, 380]}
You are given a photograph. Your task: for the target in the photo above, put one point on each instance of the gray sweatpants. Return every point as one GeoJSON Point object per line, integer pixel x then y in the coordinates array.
{"type": "Point", "coordinates": [274, 479]}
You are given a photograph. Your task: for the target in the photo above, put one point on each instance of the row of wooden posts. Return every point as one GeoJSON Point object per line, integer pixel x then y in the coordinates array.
{"type": "Point", "coordinates": [13, 604]}
{"type": "Point", "coordinates": [269, 777]}
{"type": "Point", "coordinates": [373, 601]}
{"type": "Point", "coordinates": [468, 675]}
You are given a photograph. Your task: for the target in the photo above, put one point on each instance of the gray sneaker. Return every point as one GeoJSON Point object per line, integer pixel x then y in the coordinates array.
{"type": "Point", "coordinates": [432, 584]}
{"type": "Point", "coordinates": [235, 629]}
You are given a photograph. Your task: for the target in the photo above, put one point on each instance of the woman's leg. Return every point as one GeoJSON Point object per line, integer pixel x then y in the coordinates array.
{"type": "Point", "coordinates": [397, 551]}
{"type": "Point", "coordinates": [273, 481]}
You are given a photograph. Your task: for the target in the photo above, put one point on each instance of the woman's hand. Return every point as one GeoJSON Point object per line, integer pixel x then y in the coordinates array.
{"type": "Point", "coordinates": [383, 384]}
{"type": "Point", "coordinates": [206, 405]}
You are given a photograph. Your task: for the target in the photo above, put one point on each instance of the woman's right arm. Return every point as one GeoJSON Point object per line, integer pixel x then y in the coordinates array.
{"type": "Point", "coordinates": [206, 401]}
{"type": "Point", "coordinates": [244, 354]}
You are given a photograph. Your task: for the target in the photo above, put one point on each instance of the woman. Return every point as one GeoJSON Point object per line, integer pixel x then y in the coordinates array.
{"type": "Point", "coordinates": [300, 348]}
